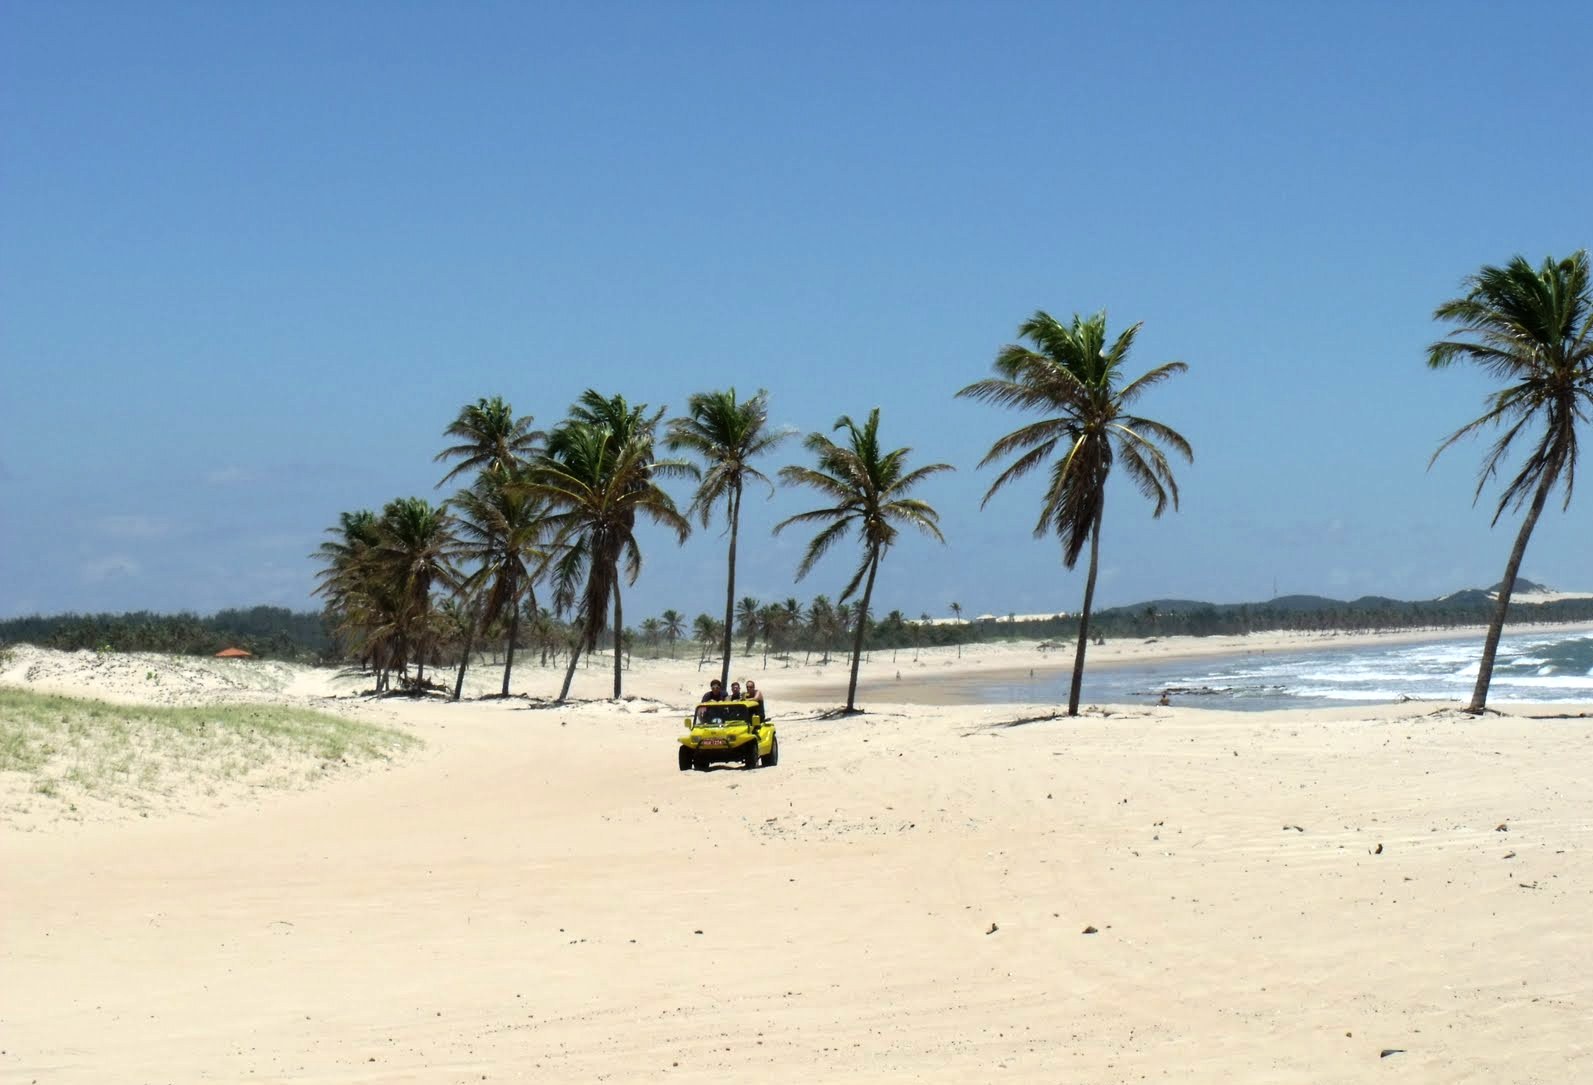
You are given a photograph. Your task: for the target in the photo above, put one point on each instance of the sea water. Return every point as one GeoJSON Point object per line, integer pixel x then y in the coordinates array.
{"type": "Point", "coordinates": [1537, 666]}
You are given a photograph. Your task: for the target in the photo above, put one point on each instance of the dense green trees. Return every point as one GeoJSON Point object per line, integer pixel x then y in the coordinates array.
{"type": "Point", "coordinates": [263, 631]}
{"type": "Point", "coordinates": [1533, 329]}
{"type": "Point", "coordinates": [378, 581]}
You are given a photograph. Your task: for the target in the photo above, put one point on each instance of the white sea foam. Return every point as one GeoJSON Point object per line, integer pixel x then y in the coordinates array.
{"type": "Point", "coordinates": [1540, 666]}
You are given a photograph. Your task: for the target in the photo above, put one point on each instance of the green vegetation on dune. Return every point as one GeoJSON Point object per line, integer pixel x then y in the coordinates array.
{"type": "Point", "coordinates": [69, 748]}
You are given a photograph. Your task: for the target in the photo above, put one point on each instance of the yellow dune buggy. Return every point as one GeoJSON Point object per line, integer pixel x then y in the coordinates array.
{"type": "Point", "coordinates": [728, 731]}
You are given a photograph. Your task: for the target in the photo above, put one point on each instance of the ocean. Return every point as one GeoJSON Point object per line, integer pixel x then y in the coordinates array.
{"type": "Point", "coordinates": [1534, 666]}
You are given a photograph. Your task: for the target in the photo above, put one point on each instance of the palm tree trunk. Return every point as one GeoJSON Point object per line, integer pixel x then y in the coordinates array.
{"type": "Point", "coordinates": [619, 637]}
{"type": "Point", "coordinates": [569, 672]}
{"type": "Point", "coordinates": [862, 624]}
{"type": "Point", "coordinates": [1084, 615]}
{"type": "Point", "coordinates": [1490, 645]}
{"type": "Point", "coordinates": [514, 635]}
{"type": "Point", "coordinates": [730, 583]}
{"type": "Point", "coordinates": [470, 643]}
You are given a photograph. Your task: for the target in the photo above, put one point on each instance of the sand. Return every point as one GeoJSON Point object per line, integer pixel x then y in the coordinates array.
{"type": "Point", "coordinates": [933, 893]}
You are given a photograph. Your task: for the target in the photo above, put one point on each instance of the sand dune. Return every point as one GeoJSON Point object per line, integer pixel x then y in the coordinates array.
{"type": "Point", "coordinates": [538, 894]}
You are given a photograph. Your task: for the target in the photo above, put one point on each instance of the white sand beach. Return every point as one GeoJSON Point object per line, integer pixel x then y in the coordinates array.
{"type": "Point", "coordinates": [926, 892]}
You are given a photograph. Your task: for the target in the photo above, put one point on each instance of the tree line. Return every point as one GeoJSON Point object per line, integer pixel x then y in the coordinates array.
{"type": "Point", "coordinates": [269, 632]}
{"type": "Point", "coordinates": [788, 631]}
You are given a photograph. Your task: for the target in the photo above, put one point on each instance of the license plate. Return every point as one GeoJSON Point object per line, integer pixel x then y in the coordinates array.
{"type": "Point", "coordinates": [713, 742]}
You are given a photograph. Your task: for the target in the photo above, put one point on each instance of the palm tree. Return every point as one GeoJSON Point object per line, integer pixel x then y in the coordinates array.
{"type": "Point", "coordinates": [674, 625]}
{"type": "Point", "coordinates": [1534, 329]}
{"type": "Point", "coordinates": [867, 487]}
{"type": "Point", "coordinates": [727, 435]}
{"type": "Point", "coordinates": [491, 439]}
{"type": "Point", "coordinates": [502, 528]}
{"type": "Point", "coordinates": [956, 612]}
{"type": "Point", "coordinates": [821, 626]}
{"type": "Point", "coordinates": [1072, 375]}
{"type": "Point", "coordinates": [707, 629]}
{"type": "Point", "coordinates": [747, 618]}
{"type": "Point", "coordinates": [771, 627]}
{"type": "Point", "coordinates": [651, 629]}
{"type": "Point", "coordinates": [348, 583]}
{"type": "Point", "coordinates": [412, 553]}
{"type": "Point", "coordinates": [599, 475]}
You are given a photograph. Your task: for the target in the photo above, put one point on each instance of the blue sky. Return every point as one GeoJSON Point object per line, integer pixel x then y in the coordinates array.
{"type": "Point", "coordinates": [254, 258]}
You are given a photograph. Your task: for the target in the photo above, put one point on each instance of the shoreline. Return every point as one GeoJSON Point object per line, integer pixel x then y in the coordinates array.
{"type": "Point", "coordinates": [1010, 662]}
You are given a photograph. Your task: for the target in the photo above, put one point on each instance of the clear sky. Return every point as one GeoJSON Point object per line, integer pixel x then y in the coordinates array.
{"type": "Point", "coordinates": [255, 257]}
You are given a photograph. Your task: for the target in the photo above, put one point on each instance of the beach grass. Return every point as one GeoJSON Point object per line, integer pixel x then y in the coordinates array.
{"type": "Point", "coordinates": [75, 750]}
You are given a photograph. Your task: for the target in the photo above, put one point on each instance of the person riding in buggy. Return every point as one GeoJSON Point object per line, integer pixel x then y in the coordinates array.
{"type": "Point", "coordinates": [728, 731]}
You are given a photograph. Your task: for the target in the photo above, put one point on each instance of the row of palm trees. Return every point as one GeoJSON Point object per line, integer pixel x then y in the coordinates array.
{"type": "Point", "coordinates": [562, 508]}
{"type": "Point", "coordinates": [779, 627]}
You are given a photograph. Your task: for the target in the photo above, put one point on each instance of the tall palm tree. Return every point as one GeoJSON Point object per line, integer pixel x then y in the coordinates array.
{"type": "Point", "coordinates": [1533, 328]}
{"type": "Point", "coordinates": [348, 584]}
{"type": "Point", "coordinates": [956, 612]}
{"type": "Point", "coordinates": [490, 439]}
{"type": "Point", "coordinates": [599, 475]}
{"type": "Point", "coordinates": [727, 436]}
{"type": "Point", "coordinates": [412, 553]}
{"type": "Point", "coordinates": [652, 628]}
{"type": "Point", "coordinates": [706, 628]}
{"type": "Point", "coordinates": [1073, 375]}
{"type": "Point", "coordinates": [821, 627]}
{"type": "Point", "coordinates": [502, 530]}
{"type": "Point", "coordinates": [792, 620]}
{"type": "Point", "coordinates": [747, 618]}
{"type": "Point", "coordinates": [771, 627]}
{"type": "Point", "coordinates": [674, 625]}
{"type": "Point", "coordinates": [867, 488]}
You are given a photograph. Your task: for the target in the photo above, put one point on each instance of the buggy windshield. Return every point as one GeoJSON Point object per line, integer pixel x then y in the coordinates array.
{"type": "Point", "coordinates": [719, 713]}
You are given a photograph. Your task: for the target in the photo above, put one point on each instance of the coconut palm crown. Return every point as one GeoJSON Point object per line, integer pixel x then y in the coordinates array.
{"type": "Point", "coordinates": [490, 439]}
{"type": "Point", "coordinates": [1533, 329]}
